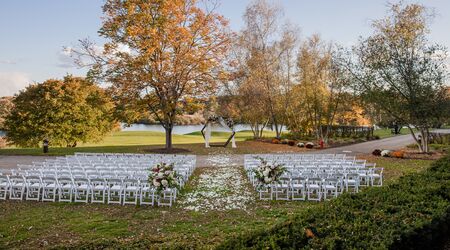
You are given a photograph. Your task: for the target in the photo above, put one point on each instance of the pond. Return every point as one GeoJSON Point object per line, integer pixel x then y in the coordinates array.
{"type": "Point", "coordinates": [182, 129]}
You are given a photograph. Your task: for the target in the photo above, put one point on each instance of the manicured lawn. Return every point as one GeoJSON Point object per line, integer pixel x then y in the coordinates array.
{"type": "Point", "coordinates": [386, 132]}
{"type": "Point", "coordinates": [145, 142]}
{"type": "Point", "coordinates": [36, 224]}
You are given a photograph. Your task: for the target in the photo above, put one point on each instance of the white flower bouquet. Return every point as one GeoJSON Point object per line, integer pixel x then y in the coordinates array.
{"type": "Point", "coordinates": [163, 176]}
{"type": "Point", "coordinates": [268, 174]}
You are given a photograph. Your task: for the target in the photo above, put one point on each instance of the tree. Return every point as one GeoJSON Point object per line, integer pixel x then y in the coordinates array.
{"type": "Point", "coordinates": [262, 66]}
{"type": "Point", "coordinates": [6, 106]}
{"type": "Point", "coordinates": [64, 111]}
{"type": "Point", "coordinates": [398, 71]}
{"type": "Point", "coordinates": [158, 53]}
{"type": "Point", "coordinates": [320, 94]}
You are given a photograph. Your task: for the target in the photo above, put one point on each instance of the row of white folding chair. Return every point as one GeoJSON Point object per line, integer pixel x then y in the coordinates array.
{"type": "Point", "coordinates": [314, 189]}
{"type": "Point", "coordinates": [317, 156]}
{"type": "Point", "coordinates": [314, 162]}
{"type": "Point", "coordinates": [130, 174]}
{"type": "Point", "coordinates": [108, 175]}
{"type": "Point", "coordinates": [95, 190]}
{"type": "Point", "coordinates": [367, 176]}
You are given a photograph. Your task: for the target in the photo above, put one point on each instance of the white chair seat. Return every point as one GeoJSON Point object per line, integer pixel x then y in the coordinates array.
{"type": "Point", "coordinates": [83, 187]}
{"type": "Point", "coordinates": [99, 187]}
{"type": "Point", "coordinates": [313, 186]}
{"type": "Point", "coordinates": [330, 187]}
{"type": "Point", "coordinates": [35, 185]}
{"type": "Point", "coordinates": [116, 188]}
{"type": "Point", "coordinates": [131, 188]}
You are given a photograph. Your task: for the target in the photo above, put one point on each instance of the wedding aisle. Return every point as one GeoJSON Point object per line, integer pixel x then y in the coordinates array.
{"type": "Point", "coordinates": [221, 185]}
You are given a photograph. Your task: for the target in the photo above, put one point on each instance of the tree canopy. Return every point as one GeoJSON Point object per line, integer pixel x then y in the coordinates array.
{"type": "Point", "coordinates": [159, 53]}
{"type": "Point", "coordinates": [64, 111]}
{"type": "Point", "coordinates": [400, 72]}
{"type": "Point", "coordinates": [6, 106]}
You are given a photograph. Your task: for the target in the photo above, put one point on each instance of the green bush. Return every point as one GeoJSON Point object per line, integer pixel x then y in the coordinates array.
{"type": "Point", "coordinates": [413, 213]}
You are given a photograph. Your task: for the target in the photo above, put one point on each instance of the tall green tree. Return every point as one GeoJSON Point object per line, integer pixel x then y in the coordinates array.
{"type": "Point", "coordinates": [65, 112]}
{"type": "Point", "coordinates": [400, 72]}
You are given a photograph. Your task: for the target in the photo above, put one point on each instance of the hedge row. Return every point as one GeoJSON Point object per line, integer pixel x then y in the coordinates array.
{"type": "Point", "coordinates": [413, 213]}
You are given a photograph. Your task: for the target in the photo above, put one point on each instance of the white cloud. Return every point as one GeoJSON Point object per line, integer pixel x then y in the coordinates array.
{"type": "Point", "coordinates": [12, 82]}
{"type": "Point", "coordinates": [65, 59]}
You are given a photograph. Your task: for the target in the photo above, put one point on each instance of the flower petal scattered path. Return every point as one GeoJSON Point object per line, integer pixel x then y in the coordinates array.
{"type": "Point", "coordinates": [221, 186]}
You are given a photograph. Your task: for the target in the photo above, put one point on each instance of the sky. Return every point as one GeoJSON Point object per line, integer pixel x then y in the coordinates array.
{"type": "Point", "coordinates": [33, 33]}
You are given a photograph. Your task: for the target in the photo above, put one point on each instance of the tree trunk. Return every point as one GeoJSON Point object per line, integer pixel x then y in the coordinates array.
{"type": "Point", "coordinates": [419, 143]}
{"type": "Point", "coordinates": [168, 137]}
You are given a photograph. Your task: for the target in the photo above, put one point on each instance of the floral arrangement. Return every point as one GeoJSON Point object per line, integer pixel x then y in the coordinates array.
{"type": "Point", "coordinates": [386, 153]}
{"type": "Point", "coordinates": [376, 152]}
{"type": "Point", "coordinates": [163, 176]}
{"type": "Point", "coordinates": [267, 174]}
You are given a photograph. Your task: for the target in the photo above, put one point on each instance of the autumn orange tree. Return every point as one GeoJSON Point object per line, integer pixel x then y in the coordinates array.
{"type": "Point", "coordinates": [159, 53]}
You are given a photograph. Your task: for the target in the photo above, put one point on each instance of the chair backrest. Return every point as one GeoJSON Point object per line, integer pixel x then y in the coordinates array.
{"type": "Point", "coordinates": [33, 179]}
{"type": "Point", "coordinates": [4, 179]}
{"type": "Point", "coordinates": [78, 181]}
{"type": "Point", "coordinates": [15, 179]}
{"type": "Point", "coordinates": [65, 180]}
{"type": "Point", "coordinates": [97, 181]}
{"type": "Point", "coordinates": [49, 180]}
{"type": "Point", "coordinates": [314, 181]}
{"type": "Point", "coordinates": [131, 182]}
{"type": "Point", "coordinates": [115, 181]}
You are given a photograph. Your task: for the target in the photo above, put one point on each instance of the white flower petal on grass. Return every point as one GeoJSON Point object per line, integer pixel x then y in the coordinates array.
{"type": "Point", "coordinates": [219, 188]}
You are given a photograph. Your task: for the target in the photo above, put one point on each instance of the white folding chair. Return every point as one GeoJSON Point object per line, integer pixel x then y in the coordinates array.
{"type": "Point", "coordinates": [81, 188]}
{"type": "Point", "coordinates": [98, 190]}
{"type": "Point", "coordinates": [364, 176]}
{"type": "Point", "coordinates": [115, 190]}
{"type": "Point", "coordinates": [314, 189]}
{"type": "Point", "coordinates": [147, 194]}
{"type": "Point", "coordinates": [17, 187]}
{"type": "Point", "coordinates": [167, 197]}
{"type": "Point", "coordinates": [298, 185]}
{"type": "Point", "coordinates": [265, 191]}
{"type": "Point", "coordinates": [131, 190]}
{"type": "Point", "coordinates": [65, 189]}
{"type": "Point", "coordinates": [352, 182]}
{"type": "Point", "coordinates": [330, 188]}
{"type": "Point", "coordinates": [283, 188]}
{"type": "Point", "coordinates": [34, 187]}
{"type": "Point", "coordinates": [4, 187]}
{"type": "Point", "coordinates": [49, 188]}
{"type": "Point", "coordinates": [376, 177]}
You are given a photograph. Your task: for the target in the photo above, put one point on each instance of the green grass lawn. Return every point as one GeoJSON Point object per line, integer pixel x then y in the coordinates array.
{"type": "Point", "coordinates": [27, 224]}
{"type": "Point", "coordinates": [141, 142]}
{"type": "Point", "coordinates": [386, 132]}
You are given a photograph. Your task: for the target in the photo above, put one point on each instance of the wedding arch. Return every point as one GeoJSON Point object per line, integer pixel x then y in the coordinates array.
{"type": "Point", "coordinates": [226, 123]}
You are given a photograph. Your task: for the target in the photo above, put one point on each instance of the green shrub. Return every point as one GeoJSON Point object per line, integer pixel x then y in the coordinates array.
{"type": "Point", "coordinates": [413, 213]}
